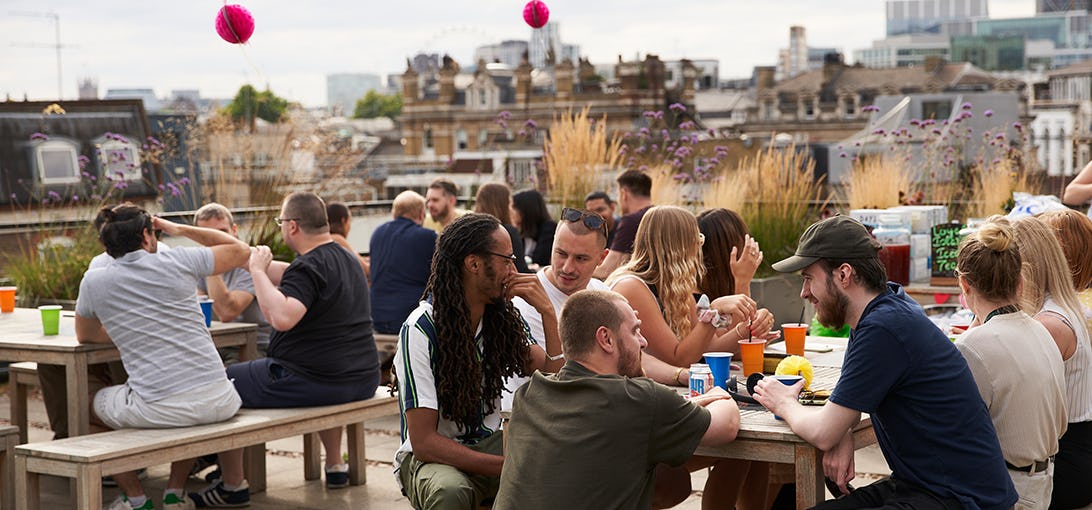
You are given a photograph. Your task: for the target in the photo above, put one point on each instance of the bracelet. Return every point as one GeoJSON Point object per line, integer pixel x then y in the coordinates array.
{"type": "Point", "coordinates": [678, 372]}
{"type": "Point", "coordinates": [553, 358]}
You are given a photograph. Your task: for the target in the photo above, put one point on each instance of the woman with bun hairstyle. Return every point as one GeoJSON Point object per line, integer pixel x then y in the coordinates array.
{"type": "Point", "coordinates": [1015, 362]}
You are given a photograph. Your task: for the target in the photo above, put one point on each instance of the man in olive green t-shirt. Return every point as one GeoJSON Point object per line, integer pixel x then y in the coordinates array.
{"type": "Point", "coordinates": [592, 435]}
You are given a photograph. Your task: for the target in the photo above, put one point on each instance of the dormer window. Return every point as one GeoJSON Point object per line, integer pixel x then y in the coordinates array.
{"type": "Point", "coordinates": [118, 157]}
{"type": "Point", "coordinates": [56, 162]}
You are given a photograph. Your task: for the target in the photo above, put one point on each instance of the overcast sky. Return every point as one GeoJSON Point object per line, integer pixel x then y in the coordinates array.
{"type": "Point", "coordinates": [167, 45]}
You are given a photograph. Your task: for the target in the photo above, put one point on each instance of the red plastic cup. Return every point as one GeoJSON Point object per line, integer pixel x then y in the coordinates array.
{"type": "Point", "coordinates": [752, 353]}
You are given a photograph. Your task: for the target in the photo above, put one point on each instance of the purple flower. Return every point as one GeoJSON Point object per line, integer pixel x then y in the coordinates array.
{"type": "Point", "coordinates": [936, 131]}
{"type": "Point", "coordinates": [39, 136]}
{"type": "Point", "coordinates": [184, 181]}
{"type": "Point", "coordinates": [1018, 126]}
{"type": "Point", "coordinates": [522, 133]}
{"type": "Point", "coordinates": [504, 115]}
{"type": "Point", "coordinates": [530, 124]}
{"type": "Point", "coordinates": [988, 113]}
{"type": "Point", "coordinates": [966, 106]}
{"type": "Point", "coordinates": [915, 122]}
{"type": "Point", "coordinates": [1000, 136]}
{"type": "Point", "coordinates": [644, 131]}
{"type": "Point", "coordinates": [879, 132]}
{"type": "Point", "coordinates": [13, 197]}
{"type": "Point", "coordinates": [712, 132]}
{"type": "Point", "coordinates": [658, 115]}
{"type": "Point", "coordinates": [649, 114]}
{"type": "Point", "coordinates": [687, 125]}
{"type": "Point", "coordinates": [75, 198]}
{"type": "Point", "coordinates": [677, 107]}
{"type": "Point", "coordinates": [53, 195]}
{"type": "Point", "coordinates": [842, 154]}
{"type": "Point", "coordinates": [870, 108]}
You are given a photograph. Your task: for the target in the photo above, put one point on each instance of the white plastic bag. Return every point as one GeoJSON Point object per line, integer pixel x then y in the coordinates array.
{"type": "Point", "coordinates": [1029, 205]}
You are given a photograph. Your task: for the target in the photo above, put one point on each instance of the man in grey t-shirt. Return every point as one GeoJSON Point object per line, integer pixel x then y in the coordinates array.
{"type": "Point", "coordinates": [232, 292]}
{"type": "Point", "coordinates": [145, 303]}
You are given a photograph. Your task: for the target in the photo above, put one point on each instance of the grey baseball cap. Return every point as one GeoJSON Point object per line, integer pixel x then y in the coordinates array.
{"type": "Point", "coordinates": [838, 237]}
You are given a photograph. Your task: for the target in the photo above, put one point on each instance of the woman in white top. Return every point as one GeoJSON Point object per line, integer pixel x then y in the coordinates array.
{"type": "Point", "coordinates": [1048, 294]}
{"type": "Point", "coordinates": [1014, 360]}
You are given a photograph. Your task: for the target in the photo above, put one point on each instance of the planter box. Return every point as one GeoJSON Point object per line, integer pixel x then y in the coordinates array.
{"type": "Point", "coordinates": [781, 295]}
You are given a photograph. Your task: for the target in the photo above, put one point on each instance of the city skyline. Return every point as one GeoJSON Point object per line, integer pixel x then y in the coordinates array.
{"type": "Point", "coordinates": [170, 46]}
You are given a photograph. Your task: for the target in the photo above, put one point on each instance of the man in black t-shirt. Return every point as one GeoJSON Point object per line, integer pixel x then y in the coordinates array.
{"type": "Point", "coordinates": [321, 351]}
{"type": "Point", "coordinates": [635, 199]}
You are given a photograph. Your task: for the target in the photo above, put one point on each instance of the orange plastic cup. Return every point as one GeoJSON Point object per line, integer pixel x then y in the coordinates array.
{"type": "Point", "coordinates": [7, 299]}
{"type": "Point", "coordinates": [752, 352]}
{"type": "Point", "coordinates": [794, 337]}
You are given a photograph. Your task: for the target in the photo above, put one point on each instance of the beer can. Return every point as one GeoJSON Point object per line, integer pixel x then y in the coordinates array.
{"type": "Point", "coordinates": [701, 379]}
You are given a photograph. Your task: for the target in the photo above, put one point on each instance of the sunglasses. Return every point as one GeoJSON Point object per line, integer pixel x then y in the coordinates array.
{"type": "Point", "coordinates": [591, 220]}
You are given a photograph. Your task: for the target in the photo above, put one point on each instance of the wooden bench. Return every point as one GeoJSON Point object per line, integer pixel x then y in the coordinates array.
{"type": "Point", "coordinates": [88, 458]}
{"type": "Point", "coordinates": [21, 376]}
{"type": "Point", "coordinates": [9, 437]}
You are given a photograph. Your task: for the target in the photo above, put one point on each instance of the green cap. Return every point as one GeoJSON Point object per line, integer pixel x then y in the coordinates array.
{"type": "Point", "coordinates": [838, 238]}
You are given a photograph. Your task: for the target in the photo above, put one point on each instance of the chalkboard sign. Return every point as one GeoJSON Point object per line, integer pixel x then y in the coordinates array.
{"type": "Point", "coordinates": [946, 240]}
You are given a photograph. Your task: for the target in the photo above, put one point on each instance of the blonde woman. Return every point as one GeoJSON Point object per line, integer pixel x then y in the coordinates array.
{"type": "Point", "coordinates": [1048, 295]}
{"type": "Point", "coordinates": [659, 281]}
{"type": "Point", "coordinates": [1074, 232]}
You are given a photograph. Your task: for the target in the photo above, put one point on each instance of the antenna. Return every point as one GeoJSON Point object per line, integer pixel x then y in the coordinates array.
{"type": "Point", "coordinates": [56, 45]}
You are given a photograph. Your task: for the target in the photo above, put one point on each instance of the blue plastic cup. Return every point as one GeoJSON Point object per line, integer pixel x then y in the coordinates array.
{"type": "Point", "coordinates": [720, 364]}
{"type": "Point", "coordinates": [206, 308]}
{"type": "Point", "coordinates": [787, 380]}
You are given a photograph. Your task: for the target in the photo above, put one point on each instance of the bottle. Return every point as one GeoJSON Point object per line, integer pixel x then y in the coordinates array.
{"type": "Point", "coordinates": [895, 255]}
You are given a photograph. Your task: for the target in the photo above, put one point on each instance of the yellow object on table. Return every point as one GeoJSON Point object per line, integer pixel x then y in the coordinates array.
{"type": "Point", "coordinates": [796, 365]}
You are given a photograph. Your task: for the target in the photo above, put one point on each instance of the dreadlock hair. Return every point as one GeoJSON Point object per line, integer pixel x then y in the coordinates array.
{"type": "Point", "coordinates": [458, 364]}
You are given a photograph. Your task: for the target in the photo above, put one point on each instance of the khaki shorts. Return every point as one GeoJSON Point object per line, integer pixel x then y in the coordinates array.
{"type": "Point", "coordinates": [120, 407]}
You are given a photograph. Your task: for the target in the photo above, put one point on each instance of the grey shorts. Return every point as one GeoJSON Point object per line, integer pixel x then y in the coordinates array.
{"type": "Point", "coordinates": [120, 407]}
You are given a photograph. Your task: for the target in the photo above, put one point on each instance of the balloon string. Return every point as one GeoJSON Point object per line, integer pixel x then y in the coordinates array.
{"type": "Point", "coordinates": [257, 71]}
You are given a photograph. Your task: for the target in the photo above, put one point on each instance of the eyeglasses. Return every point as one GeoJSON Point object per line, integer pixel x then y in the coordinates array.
{"type": "Point", "coordinates": [280, 221]}
{"type": "Point", "coordinates": [591, 220]}
{"type": "Point", "coordinates": [511, 257]}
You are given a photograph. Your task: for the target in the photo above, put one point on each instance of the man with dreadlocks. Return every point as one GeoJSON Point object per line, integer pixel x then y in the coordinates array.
{"type": "Point", "coordinates": [454, 353]}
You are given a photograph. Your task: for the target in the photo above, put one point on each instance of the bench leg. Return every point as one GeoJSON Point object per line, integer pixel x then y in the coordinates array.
{"type": "Point", "coordinates": [254, 467]}
{"type": "Point", "coordinates": [89, 487]}
{"type": "Point", "coordinates": [7, 470]}
{"type": "Point", "coordinates": [357, 461]}
{"type": "Point", "coordinates": [17, 396]}
{"type": "Point", "coordinates": [27, 496]}
{"type": "Point", "coordinates": [312, 456]}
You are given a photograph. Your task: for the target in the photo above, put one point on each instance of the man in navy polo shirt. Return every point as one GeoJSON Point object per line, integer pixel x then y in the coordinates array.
{"type": "Point", "coordinates": [932, 426]}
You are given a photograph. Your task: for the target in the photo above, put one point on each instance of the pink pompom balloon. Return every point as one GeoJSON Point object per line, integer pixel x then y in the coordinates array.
{"type": "Point", "coordinates": [536, 14]}
{"type": "Point", "coordinates": [234, 24]}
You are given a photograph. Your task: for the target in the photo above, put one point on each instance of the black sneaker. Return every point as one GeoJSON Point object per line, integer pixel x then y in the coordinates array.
{"type": "Point", "coordinates": [216, 496]}
{"type": "Point", "coordinates": [337, 477]}
{"type": "Point", "coordinates": [203, 462]}
{"type": "Point", "coordinates": [214, 476]}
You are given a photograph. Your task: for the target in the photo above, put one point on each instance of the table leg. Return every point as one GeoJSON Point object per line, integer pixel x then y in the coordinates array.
{"type": "Point", "coordinates": [79, 407]}
{"type": "Point", "coordinates": [249, 350]}
{"type": "Point", "coordinates": [17, 398]}
{"type": "Point", "coordinates": [89, 487]}
{"type": "Point", "coordinates": [254, 467]}
{"type": "Point", "coordinates": [312, 456]}
{"type": "Point", "coordinates": [810, 489]}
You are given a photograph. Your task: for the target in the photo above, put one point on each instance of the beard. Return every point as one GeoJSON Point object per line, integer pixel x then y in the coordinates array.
{"type": "Point", "coordinates": [832, 314]}
{"type": "Point", "coordinates": [629, 363]}
{"type": "Point", "coordinates": [492, 286]}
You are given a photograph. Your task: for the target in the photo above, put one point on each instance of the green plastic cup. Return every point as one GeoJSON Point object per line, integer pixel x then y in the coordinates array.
{"type": "Point", "coordinates": [51, 319]}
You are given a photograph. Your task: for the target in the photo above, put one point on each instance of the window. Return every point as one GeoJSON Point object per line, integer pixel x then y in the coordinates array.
{"type": "Point", "coordinates": [427, 138]}
{"type": "Point", "coordinates": [809, 109]}
{"type": "Point", "coordinates": [850, 107]}
{"type": "Point", "coordinates": [936, 110]}
{"type": "Point", "coordinates": [118, 157]}
{"type": "Point", "coordinates": [56, 162]}
{"type": "Point", "coordinates": [483, 137]}
{"type": "Point", "coordinates": [461, 141]}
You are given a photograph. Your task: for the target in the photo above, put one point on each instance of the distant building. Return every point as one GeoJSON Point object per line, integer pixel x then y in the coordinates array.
{"type": "Point", "coordinates": [151, 103]}
{"type": "Point", "coordinates": [546, 48]}
{"type": "Point", "coordinates": [508, 52]}
{"type": "Point", "coordinates": [1069, 33]}
{"type": "Point", "coordinates": [932, 16]}
{"type": "Point", "coordinates": [708, 73]}
{"type": "Point", "coordinates": [1061, 5]}
{"type": "Point", "coordinates": [426, 64]}
{"type": "Point", "coordinates": [799, 57]}
{"type": "Point", "coordinates": [89, 89]}
{"type": "Point", "coordinates": [991, 53]}
{"type": "Point", "coordinates": [344, 89]}
{"type": "Point", "coordinates": [903, 50]}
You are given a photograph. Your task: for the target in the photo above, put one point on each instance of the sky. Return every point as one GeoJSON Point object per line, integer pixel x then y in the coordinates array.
{"type": "Point", "coordinates": [169, 45]}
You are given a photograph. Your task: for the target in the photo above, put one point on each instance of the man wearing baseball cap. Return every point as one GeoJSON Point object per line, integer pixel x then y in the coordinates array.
{"type": "Point", "coordinates": [932, 426]}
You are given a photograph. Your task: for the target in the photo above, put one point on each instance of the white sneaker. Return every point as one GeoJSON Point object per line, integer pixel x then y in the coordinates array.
{"type": "Point", "coordinates": [123, 503]}
{"type": "Point", "coordinates": [172, 502]}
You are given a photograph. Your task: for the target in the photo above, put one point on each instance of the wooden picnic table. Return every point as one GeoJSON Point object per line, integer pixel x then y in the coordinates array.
{"type": "Point", "coordinates": [21, 339]}
{"type": "Point", "coordinates": [763, 438]}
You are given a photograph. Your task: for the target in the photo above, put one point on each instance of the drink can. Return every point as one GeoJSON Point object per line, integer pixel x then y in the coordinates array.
{"type": "Point", "coordinates": [701, 379]}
